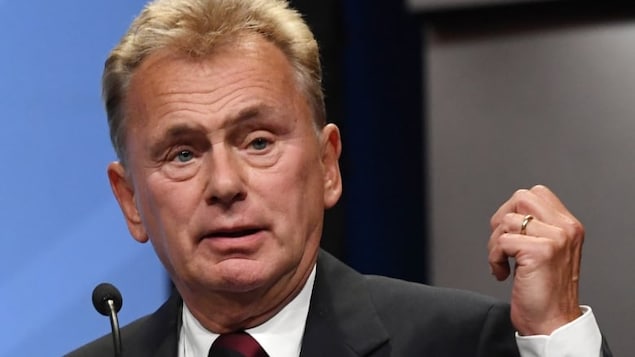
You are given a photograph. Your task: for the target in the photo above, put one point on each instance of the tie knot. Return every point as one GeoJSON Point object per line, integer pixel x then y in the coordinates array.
{"type": "Point", "coordinates": [236, 344]}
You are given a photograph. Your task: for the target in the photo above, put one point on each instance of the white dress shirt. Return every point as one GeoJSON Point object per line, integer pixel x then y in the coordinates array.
{"type": "Point", "coordinates": [281, 336]}
{"type": "Point", "coordinates": [579, 338]}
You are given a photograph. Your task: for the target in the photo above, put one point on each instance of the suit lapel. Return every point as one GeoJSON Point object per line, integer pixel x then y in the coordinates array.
{"type": "Point", "coordinates": [342, 320]}
{"type": "Point", "coordinates": [157, 336]}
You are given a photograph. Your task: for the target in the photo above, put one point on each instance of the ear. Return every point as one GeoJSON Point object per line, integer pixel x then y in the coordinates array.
{"type": "Point", "coordinates": [124, 192]}
{"type": "Point", "coordinates": [331, 150]}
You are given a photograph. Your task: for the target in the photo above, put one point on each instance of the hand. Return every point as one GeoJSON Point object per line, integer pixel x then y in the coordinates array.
{"type": "Point", "coordinates": [547, 259]}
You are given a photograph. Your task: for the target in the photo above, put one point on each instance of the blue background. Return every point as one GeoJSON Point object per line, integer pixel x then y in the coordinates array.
{"type": "Point", "coordinates": [61, 229]}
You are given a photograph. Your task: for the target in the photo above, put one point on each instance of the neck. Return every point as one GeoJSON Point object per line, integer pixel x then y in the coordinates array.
{"type": "Point", "coordinates": [227, 312]}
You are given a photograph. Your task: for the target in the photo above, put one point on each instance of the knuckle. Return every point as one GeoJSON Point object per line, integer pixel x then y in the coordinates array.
{"type": "Point", "coordinates": [493, 222]}
{"type": "Point", "coordinates": [539, 188]}
{"type": "Point", "coordinates": [578, 228]}
{"type": "Point", "coordinates": [491, 242]}
{"type": "Point", "coordinates": [523, 200]}
{"type": "Point", "coordinates": [561, 234]}
{"type": "Point", "coordinates": [496, 242]}
{"type": "Point", "coordinates": [509, 216]}
{"type": "Point", "coordinates": [520, 193]}
{"type": "Point", "coordinates": [574, 230]}
{"type": "Point", "coordinates": [508, 221]}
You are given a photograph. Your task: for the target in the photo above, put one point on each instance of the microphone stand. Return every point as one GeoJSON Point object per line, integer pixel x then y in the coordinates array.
{"type": "Point", "coordinates": [114, 326]}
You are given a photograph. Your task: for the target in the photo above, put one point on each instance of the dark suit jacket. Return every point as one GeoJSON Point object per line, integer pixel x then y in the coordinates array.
{"type": "Point", "coordinates": [355, 315]}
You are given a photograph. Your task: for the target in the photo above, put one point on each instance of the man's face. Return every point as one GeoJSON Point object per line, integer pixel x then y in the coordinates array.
{"type": "Point", "coordinates": [227, 175]}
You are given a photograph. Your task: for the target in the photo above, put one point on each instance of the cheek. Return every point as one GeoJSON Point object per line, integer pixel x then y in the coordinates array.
{"type": "Point", "coordinates": [166, 214]}
{"type": "Point", "coordinates": [168, 206]}
{"type": "Point", "coordinates": [296, 178]}
{"type": "Point", "coordinates": [295, 192]}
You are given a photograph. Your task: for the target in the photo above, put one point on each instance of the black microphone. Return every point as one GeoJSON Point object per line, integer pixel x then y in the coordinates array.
{"type": "Point", "coordinates": [107, 301]}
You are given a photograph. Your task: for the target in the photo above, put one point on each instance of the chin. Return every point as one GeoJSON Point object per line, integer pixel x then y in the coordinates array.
{"type": "Point", "coordinates": [239, 275]}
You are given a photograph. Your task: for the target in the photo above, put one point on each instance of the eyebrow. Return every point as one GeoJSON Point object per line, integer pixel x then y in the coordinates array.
{"type": "Point", "coordinates": [188, 130]}
{"type": "Point", "coordinates": [172, 135]}
{"type": "Point", "coordinates": [255, 116]}
{"type": "Point", "coordinates": [249, 113]}
{"type": "Point", "coordinates": [181, 130]}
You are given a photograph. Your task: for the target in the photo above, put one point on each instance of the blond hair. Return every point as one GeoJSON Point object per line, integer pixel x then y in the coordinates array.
{"type": "Point", "coordinates": [195, 28]}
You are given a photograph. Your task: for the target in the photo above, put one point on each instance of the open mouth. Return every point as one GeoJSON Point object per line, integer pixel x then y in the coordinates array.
{"type": "Point", "coordinates": [233, 233]}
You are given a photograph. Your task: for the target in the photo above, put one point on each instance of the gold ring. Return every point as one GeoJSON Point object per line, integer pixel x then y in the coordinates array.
{"type": "Point", "coordinates": [523, 226]}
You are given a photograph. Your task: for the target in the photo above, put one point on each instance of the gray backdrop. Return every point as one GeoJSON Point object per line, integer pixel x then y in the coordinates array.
{"type": "Point", "coordinates": [510, 109]}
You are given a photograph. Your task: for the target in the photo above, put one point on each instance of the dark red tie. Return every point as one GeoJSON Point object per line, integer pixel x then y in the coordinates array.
{"type": "Point", "coordinates": [236, 344]}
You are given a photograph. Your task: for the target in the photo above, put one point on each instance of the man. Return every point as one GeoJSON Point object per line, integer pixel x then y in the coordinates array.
{"type": "Point", "coordinates": [226, 165]}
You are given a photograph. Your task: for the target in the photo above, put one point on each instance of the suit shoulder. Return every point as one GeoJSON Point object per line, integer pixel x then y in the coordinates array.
{"type": "Point", "coordinates": [392, 286]}
{"type": "Point", "coordinates": [408, 298]}
{"type": "Point", "coordinates": [103, 346]}
{"type": "Point", "coordinates": [142, 337]}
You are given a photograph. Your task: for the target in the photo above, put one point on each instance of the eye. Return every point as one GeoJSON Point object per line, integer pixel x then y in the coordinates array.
{"type": "Point", "coordinates": [184, 156]}
{"type": "Point", "coordinates": [259, 143]}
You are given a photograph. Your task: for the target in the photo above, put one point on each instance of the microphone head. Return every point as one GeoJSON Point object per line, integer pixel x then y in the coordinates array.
{"type": "Point", "coordinates": [104, 292]}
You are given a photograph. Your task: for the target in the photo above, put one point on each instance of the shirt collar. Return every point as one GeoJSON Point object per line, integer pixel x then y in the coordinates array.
{"type": "Point", "coordinates": [280, 336]}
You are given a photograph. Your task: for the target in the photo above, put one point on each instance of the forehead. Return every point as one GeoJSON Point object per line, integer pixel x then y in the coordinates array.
{"type": "Point", "coordinates": [243, 72]}
{"type": "Point", "coordinates": [246, 58]}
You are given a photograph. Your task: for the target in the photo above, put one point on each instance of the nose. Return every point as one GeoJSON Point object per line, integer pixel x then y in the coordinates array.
{"type": "Point", "coordinates": [225, 183]}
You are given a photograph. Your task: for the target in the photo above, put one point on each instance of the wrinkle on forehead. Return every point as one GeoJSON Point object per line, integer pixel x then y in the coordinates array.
{"type": "Point", "coordinates": [214, 73]}
{"type": "Point", "coordinates": [213, 95]}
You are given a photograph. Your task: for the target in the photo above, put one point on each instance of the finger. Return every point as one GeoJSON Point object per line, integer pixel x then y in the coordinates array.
{"type": "Point", "coordinates": [523, 201]}
{"type": "Point", "coordinates": [501, 244]}
{"type": "Point", "coordinates": [505, 208]}
{"type": "Point", "coordinates": [562, 217]}
{"type": "Point", "coordinates": [515, 222]}
{"type": "Point", "coordinates": [498, 259]}
{"type": "Point", "coordinates": [548, 196]}
{"type": "Point", "coordinates": [500, 269]}
{"type": "Point", "coordinates": [529, 252]}
{"type": "Point", "coordinates": [528, 202]}
{"type": "Point", "coordinates": [512, 224]}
